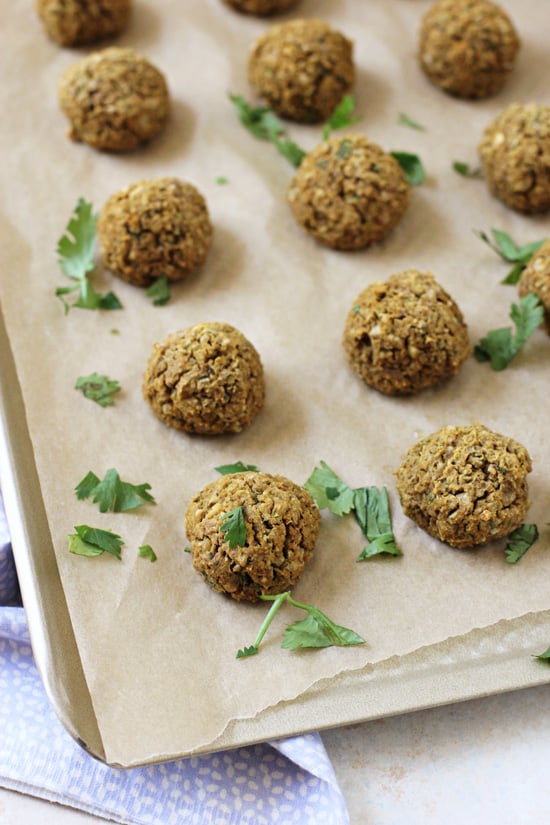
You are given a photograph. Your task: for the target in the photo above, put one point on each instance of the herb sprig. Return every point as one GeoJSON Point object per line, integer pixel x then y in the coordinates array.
{"type": "Point", "coordinates": [466, 170]}
{"type": "Point", "coordinates": [112, 494]}
{"type": "Point", "coordinates": [504, 246]}
{"type": "Point", "coordinates": [98, 388]}
{"type": "Point", "coordinates": [412, 166]}
{"type": "Point", "coordinates": [233, 527]}
{"type": "Point", "coordinates": [236, 467]}
{"type": "Point", "coordinates": [265, 125]}
{"type": "Point", "coordinates": [91, 541]}
{"type": "Point", "coordinates": [500, 346]}
{"type": "Point", "coordinates": [520, 541]}
{"type": "Point", "coordinates": [342, 116]}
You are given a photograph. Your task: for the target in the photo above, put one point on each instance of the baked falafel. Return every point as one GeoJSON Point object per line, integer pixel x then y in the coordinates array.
{"type": "Point", "coordinates": [207, 379]}
{"type": "Point", "coordinates": [302, 69]}
{"type": "Point", "coordinates": [281, 526]}
{"type": "Point", "coordinates": [536, 278]}
{"type": "Point", "coordinates": [154, 228]}
{"type": "Point", "coordinates": [348, 193]}
{"type": "Point", "coordinates": [261, 8]}
{"type": "Point", "coordinates": [79, 22]}
{"type": "Point", "coordinates": [515, 154]}
{"type": "Point", "coordinates": [405, 334]}
{"type": "Point", "coordinates": [114, 99]}
{"type": "Point", "coordinates": [466, 486]}
{"type": "Point", "coordinates": [467, 47]}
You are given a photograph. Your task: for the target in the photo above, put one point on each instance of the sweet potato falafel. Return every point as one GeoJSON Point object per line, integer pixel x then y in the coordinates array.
{"type": "Point", "coordinates": [348, 193]}
{"type": "Point", "coordinates": [281, 526]}
{"type": "Point", "coordinates": [207, 379]}
{"type": "Point", "coordinates": [79, 22]}
{"type": "Point", "coordinates": [114, 99]}
{"type": "Point", "coordinates": [261, 8]}
{"type": "Point", "coordinates": [405, 334]}
{"type": "Point", "coordinates": [515, 153]}
{"type": "Point", "coordinates": [465, 486]}
{"type": "Point", "coordinates": [467, 47]}
{"type": "Point", "coordinates": [302, 69]}
{"type": "Point", "coordinates": [536, 278]}
{"type": "Point", "coordinates": [154, 228]}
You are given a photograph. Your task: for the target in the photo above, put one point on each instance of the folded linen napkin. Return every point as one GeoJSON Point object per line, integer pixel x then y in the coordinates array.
{"type": "Point", "coordinates": [282, 781]}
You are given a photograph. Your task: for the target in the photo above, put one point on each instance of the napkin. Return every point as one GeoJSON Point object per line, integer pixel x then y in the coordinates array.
{"type": "Point", "coordinates": [290, 780]}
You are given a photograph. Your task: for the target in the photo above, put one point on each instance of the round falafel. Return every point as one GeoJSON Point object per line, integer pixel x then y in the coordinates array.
{"type": "Point", "coordinates": [207, 379]}
{"type": "Point", "coordinates": [261, 8]}
{"type": "Point", "coordinates": [348, 193]}
{"type": "Point", "coordinates": [467, 47]}
{"type": "Point", "coordinates": [406, 334]}
{"type": "Point", "coordinates": [515, 154]}
{"type": "Point", "coordinates": [302, 69]}
{"type": "Point", "coordinates": [536, 278]}
{"type": "Point", "coordinates": [114, 99]}
{"type": "Point", "coordinates": [465, 486]}
{"type": "Point", "coordinates": [280, 523]}
{"type": "Point", "coordinates": [79, 22]}
{"type": "Point", "coordinates": [154, 228]}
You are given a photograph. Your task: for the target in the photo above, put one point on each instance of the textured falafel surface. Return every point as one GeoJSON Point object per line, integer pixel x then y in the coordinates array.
{"type": "Point", "coordinates": [261, 8]}
{"type": "Point", "coordinates": [79, 22]}
{"type": "Point", "coordinates": [282, 525]}
{"type": "Point", "coordinates": [465, 486]}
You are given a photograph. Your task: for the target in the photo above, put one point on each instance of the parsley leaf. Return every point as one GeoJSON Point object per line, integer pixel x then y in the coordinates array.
{"type": "Point", "coordinates": [504, 246]}
{"type": "Point", "coordinates": [221, 181]}
{"type": "Point", "coordinates": [372, 511]}
{"type": "Point", "coordinates": [112, 494]}
{"type": "Point", "coordinates": [329, 491]}
{"type": "Point", "coordinates": [147, 552]}
{"type": "Point", "coordinates": [233, 527]}
{"type": "Point", "coordinates": [466, 170]}
{"type": "Point", "coordinates": [159, 291]}
{"type": "Point", "coordinates": [236, 467]}
{"type": "Point", "coordinates": [405, 120]}
{"type": "Point", "coordinates": [341, 117]}
{"type": "Point", "coordinates": [75, 249]}
{"type": "Point", "coordinates": [412, 167]}
{"type": "Point", "coordinates": [315, 631]}
{"type": "Point", "coordinates": [520, 541]}
{"type": "Point", "coordinates": [544, 657]}
{"type": "Point", "coordinates": [91, 541]}
{"type": "Point", "coordinates": [265, 125]}
{"type": "Point", "coordinates": [500, 346]}
{"type": "Point", "coordinates": [98, 388]}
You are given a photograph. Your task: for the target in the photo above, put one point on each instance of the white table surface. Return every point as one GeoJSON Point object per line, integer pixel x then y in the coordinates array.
{"type": "Point", "coordinates": [482, 762]}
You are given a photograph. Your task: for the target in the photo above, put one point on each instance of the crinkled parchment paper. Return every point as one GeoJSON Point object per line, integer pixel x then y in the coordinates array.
{"type": "Point", "coordinates": [158, 647]}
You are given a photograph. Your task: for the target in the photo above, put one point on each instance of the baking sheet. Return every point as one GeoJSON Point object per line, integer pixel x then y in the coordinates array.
{"type": "Point", "coordinates": [160, 685]}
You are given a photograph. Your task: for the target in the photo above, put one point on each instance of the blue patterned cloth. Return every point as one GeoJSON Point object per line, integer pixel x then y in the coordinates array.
{"type": "Point", "coordinates": [286, 781]}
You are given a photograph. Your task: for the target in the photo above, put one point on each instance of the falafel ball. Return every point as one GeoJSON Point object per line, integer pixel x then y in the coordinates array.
{"type": "Point", "coordinates": [261, 8]}
{"type": "Point", "coordinates": [465, 486]}
{"type": "Point", "coordinates": [281, 522]}
{"type": "Point", "coordinates": [467, 47]}
{"type": "Point", "coordinates": [536, 278]}
{"type": "Point", "coordinates": [302, 69]}
{"type": "Point", "coordinates": [348, 193]}
{"type": "Point", "coordinates": [515, 153]}
{"type": "Point", "coordinates": [206, 379]}
{"type": "Point", "coordinates": [79, 22]}
{"type": "Point", "coordinates": [405, 334]}
{"type": "Point", "coordinates": [154, 228]}
{"type": "Point", "coordinates": [114, 99]}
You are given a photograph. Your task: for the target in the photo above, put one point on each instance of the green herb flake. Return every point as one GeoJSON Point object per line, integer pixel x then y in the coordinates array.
{"type": "Point", "coordinates": [91, 541]}
{"type": "Point", "coordinates": [341, 117]}
{"type": "Point", "coordinates": [372, 511]}
{"type": "Point", "coordinates": [265, 125]}
{"type": "Point", "coordinates": [233, 527]}
{"type": "Point", "coordinates": [500, 346]}
{"type": "Point", "coordinates": [506, 248]}
{"type": "Point", "coordinates": [544, 657]}
{"type": "Point", "coordinates": [159, 291]}
{"type": "Point", "coordinates": [413, 169]}
{"type": "Point", "coordinates": [405, 120]}
{"type": "Point", "coordinates": [466, 170]}
{"type": "Point", "coordinates": [75, 250]}
{"type": "Point", "coordinates": [345, 149]}
{"type": "Point", "coordinates": [329, 491]}
{"type": "Point", "coordinates": [221, 181]}
{"type": "Point", "coordinates": [98, 388]}
{"type": "Point", "coordinates": [112, 494]}
{"type": "Point", "coordinates": [236, 467]}
{"type": "Point", "coordinates": [147, 552]}
{"type": "Point", "coordinates": [520, 541]}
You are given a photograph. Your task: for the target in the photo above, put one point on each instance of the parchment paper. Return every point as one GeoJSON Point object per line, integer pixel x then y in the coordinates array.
{"type": "Point", "coordinates": [158, 647]}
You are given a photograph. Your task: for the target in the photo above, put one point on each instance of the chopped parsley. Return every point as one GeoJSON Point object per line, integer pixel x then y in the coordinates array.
{"type": "Point", "coordinates": [233, 527]}
{"type": "Point", "coordinates": [98, 388]}
{"type": "Point", "coordinates": [112, 494]}
{"type": "Point", "coordinates": [500, 346]}
{"type": "Point", "coordinates": [91, 541]}
{"type": "Point", "coordinates": [341, 117]}
{"type": "Point", "coordinates": [159, 291]}
{"type": "Point", "coordinates": [412, 167]}
{"type": "Point", "coordinates": [147, 552]}
{"type": "Point", "coordinates": [405, 120]}
{"type": "Point", "coordinates": [466, 170]}
{"type": "Point", "coordinates": [236, 467]}
{"type": "Point", "coordinates": [504, 246]}
{"type": "Point", "coordinates": [265, 125]}
{"type": "Point", "coordinates": [520, 541]}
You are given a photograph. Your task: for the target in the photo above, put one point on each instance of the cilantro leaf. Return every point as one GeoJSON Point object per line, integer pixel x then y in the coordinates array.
{"type": "Point", "coordinates": [265, 125]}
{"type": "Point", "coordinates": [341, 117]}
{"type": "Point", "coordinates": [372, 511]}
{"type": "Point", "coordinates": [466, 170]}
{"type": "Point", "coordinates": [500, 346]}
{"type": "Point", "coordinates": [147, 552]}
{"type": "Point", "coordinates": [233, 527]}
{"type": "Point", "coordinates": [544, 657]}
{"type": "Point", "coordinates": [159, 291]}
{"type": "Point", "coordinates": [413, 169]}
{"type": "Point", "coordinates": [405, 120]}
{"type": "Point", "coordinates": [98, 388]}
{"type": "Point", "coordinates": [75, 251]}
{"type": "Point", "coordinates": [91, 541]}
{"type": "Point", "coordinates": [329, 491]}
{"type": "Point", "coordinates": [236, 467]}
{"type": "Point", "coordinates": [112, 494]}
{"type": "Point", "coordinates": [504, 246]}
{"type": "Point", "coordinates": [520, 541]}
